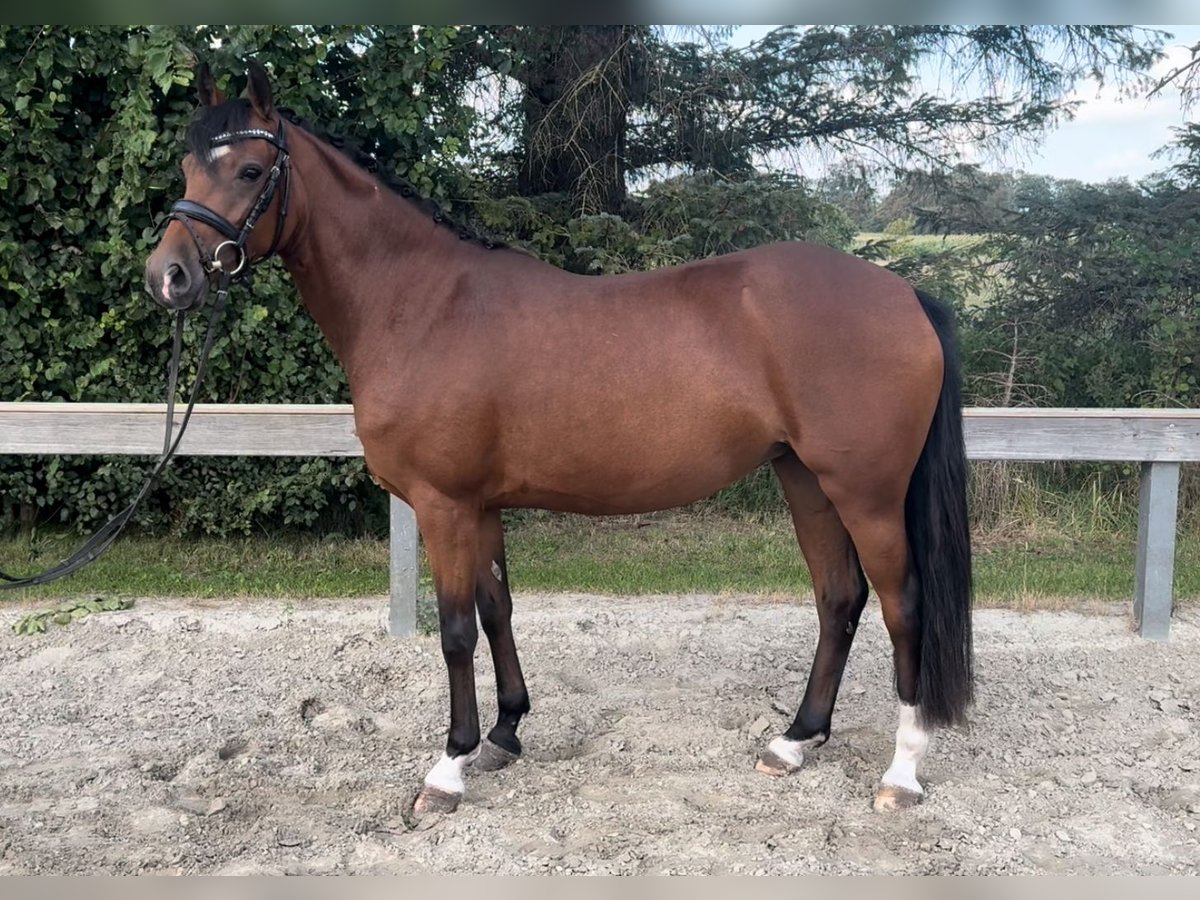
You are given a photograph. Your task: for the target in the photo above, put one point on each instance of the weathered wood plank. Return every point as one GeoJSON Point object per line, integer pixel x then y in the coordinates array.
{"type": "Point", "coordinates": [215, 429]}
{"type": "Point", "coordinates": [1160, 439]}
{"type": "Point", "coordinates": [1096, 435]}
{"type": "Point", "coordinates": [328, 430]}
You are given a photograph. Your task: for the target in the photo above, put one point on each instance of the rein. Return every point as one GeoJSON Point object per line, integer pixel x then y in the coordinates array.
{"type": "Point", "coordinates": [183, 211]}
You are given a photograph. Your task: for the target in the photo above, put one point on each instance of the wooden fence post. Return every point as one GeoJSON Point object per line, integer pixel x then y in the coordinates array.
{"type": "Point", "coordinates": [403, 569]}
{"type": "Point", "coordinates": [1155, 574]}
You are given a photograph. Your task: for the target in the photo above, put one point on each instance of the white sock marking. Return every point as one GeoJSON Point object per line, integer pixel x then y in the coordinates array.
{"type": "Point", "coordinates": [911, 743]}
{"type": "Point", "coordinates": [792, 752]}
{"type": "Point", "coordinates": [447, 775]}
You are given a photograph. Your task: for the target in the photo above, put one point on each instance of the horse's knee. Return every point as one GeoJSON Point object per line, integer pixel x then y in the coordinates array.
{"type": "Point", "coordinates": [459, 636]}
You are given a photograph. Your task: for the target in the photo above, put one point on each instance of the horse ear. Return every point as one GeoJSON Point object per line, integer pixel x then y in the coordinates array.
{"type": "Point", "coordinates": [259, 89]}
{"type": "Point", "coordinates": [206, 87]}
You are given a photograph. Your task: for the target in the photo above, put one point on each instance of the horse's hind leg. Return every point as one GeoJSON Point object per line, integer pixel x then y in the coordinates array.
{"type": "Point", "coordinates": [841, 593]}
{"type": "Point", "coordinates": [877, 526]}
{"type": "Point", "coordinates": [494, 602]}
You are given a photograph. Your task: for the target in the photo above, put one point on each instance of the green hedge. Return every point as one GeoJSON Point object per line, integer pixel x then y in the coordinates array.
{"type": "Point", "coordinates": [1096, 285]}
{"type": "Point", "coordinates": [91, 135]}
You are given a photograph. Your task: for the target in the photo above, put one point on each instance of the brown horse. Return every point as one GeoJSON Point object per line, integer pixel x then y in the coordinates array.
{"type": "Point", "coordinates": [483, 378]}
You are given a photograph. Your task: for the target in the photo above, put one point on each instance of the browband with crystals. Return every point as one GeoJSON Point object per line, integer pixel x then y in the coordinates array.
{"type": "Point", "coordinates": [186, 211]}
{"type": "Point", "coordinates": [233, 137]}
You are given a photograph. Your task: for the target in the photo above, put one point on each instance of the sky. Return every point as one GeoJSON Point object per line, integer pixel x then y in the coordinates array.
{"type": "Point", "coordinates": [1110, 137]}
{"type": "Point", "coordinates": [1113, 137]}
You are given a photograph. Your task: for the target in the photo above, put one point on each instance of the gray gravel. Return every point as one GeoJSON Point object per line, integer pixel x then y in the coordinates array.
{"type": "Point", "coordinates": [270, 737]}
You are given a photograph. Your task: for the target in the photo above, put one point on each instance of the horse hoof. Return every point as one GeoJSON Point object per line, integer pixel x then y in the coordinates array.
{"type": "Point", "coordinates": [894, 799]}
{"type": "Point", "coordinates": [431, 800]}
{"type": "Point", "coordinates": [774, 765]}
{"type": "Point", "coordinates": [492, 757]}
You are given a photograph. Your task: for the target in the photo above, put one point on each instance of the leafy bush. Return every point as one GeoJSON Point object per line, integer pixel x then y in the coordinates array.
{"type": "Point", "coordinates": [1076, 295]}
{"type": "Point", "coordinates": [91, 134]}
{"type": "Point", "coordinates": [670, 222]}
{"type": "Point", "coordinates": [1099, 299]}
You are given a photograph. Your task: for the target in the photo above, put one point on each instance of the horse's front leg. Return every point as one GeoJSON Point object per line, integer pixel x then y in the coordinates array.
{"type": "Point", "coordinates": [451, 533]}
{"type": "Point", "coordinates": [494, 602]}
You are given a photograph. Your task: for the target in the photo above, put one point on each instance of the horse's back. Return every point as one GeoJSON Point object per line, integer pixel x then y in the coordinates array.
{"type": "Point", "coordinates": [835, 353]}
{"type": "Point", "coordinates": [614, 394]}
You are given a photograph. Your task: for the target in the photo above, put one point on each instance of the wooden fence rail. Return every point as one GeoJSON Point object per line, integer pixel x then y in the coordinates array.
{"type": "Point", "coordinates": [1158, 439]}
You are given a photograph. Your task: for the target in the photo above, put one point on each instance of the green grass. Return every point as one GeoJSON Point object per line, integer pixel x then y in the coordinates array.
{"type": "Point", "coordinates": [668, 553]}
{"type": "Point", "coordinates": [664, 554]}
{"type": "Point", "coordinates": [676, 554]}
{"type": "Point", "coordinates": [145, 566]}
{"type": "Point", "coordinates": [1099, 568]}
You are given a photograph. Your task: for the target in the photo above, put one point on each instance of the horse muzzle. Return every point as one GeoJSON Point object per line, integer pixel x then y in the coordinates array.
{"type": "Point", "coordinates": [177, 286]}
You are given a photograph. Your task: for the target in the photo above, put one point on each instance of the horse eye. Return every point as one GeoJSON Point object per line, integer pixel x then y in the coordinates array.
{"type": "Point", "coordinates": [250, 173]}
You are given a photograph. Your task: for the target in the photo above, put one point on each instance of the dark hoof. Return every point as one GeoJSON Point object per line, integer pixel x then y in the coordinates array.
{"type": "Point", "coordinates": [493, 756]}
{"type": "Point", "coordinates": [895, 799]}
{"type": "Point", "coordinates": [772, 764]}
{"type": "Point", "coordinates": [431, 800]}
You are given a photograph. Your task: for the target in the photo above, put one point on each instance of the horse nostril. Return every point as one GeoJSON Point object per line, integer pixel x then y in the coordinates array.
{"type": "Point", "coordinates": [176, 281]}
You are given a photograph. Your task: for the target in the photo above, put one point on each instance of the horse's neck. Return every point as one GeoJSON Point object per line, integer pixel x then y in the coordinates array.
{"type": "Point", "coordinates": [370, 266]}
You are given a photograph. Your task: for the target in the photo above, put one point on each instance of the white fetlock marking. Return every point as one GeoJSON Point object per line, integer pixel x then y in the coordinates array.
{"type": "Point", "coordinates": [791, 752]}
{"type": "Point", "coordinates": [447, 775]}
{"type": "Point", "coordinates": [911, 743]}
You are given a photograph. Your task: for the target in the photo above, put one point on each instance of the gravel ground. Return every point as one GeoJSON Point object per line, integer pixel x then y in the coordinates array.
{"type": "Point", "coordinates": [269, 737]}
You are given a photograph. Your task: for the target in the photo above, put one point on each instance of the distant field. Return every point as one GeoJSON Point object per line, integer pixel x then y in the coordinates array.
{"type": "Point", "coordinates": [947, 265]}
{"type": "Point", "coordinates": [923, 242]}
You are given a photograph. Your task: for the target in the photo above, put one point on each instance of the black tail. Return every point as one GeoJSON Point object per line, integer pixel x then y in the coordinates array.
{"type": "Point", "coordinates": [940, 544]}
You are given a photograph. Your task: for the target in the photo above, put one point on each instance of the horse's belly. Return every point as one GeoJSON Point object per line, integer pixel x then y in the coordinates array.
{"type": "Point", "coordinates": [620, 472]}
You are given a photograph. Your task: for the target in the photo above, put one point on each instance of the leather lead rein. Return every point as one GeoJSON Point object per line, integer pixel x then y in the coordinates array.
{"type": "Point", "coordinates": [184, 212]}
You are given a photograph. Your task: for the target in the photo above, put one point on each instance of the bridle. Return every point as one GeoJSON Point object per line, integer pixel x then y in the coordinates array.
{"type": "Point", "coordinates": [185, 212]}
